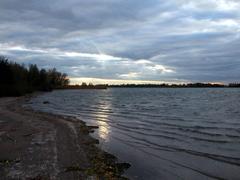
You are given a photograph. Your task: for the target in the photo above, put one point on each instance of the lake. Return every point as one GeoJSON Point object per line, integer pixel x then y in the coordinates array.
{"type": "Point", "coordinates": [164, 133]}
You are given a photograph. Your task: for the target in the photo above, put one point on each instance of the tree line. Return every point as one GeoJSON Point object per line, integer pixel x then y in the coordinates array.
{"type": "Point", "coordinates": [189, 85]}
{"type": "Point", "coordinates": [17, 80]}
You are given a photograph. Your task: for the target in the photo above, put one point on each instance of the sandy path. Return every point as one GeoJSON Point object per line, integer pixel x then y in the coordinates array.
{"type": "Point", "coordinates": [38, 146]}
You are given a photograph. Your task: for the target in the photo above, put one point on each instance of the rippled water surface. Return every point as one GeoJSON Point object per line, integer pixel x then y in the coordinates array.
{"type": "Point", "coordinates": [163, 133]}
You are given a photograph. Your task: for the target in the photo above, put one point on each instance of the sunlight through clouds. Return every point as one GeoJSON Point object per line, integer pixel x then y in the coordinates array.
{"type": "Point", "coordinates": [155, 40]}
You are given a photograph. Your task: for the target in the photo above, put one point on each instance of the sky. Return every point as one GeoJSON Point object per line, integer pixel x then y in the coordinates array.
{"type": "Point", "coordinates": [125, 41]}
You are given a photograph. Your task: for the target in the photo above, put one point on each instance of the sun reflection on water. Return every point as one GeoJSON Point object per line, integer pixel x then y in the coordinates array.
{"type": "Point", "coordinates": [102, 118]}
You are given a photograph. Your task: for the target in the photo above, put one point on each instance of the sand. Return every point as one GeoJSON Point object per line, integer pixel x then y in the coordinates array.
{"type": "Point", "coordinates": [36, 145]}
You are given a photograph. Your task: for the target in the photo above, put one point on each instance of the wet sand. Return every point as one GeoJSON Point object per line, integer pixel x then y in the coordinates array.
{"type": "Point", "coordinates": [36, 145]}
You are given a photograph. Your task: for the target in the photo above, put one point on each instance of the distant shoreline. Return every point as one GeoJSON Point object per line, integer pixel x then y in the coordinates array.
{"type": "Point", "coordinates": [40, 145]}
{"type": "Point", "coordinates": [72, 87]}
{"type": "Point", "coordinates": [171, 87]}
{"type": "Point", "coordinates": [189, 85]}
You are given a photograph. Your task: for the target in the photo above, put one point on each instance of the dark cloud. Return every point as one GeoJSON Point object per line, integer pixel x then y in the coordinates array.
{"type": "Point", "coordinates": [175, 40]}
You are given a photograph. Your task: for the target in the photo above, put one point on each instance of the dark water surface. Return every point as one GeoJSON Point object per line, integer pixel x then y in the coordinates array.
{"type": "Point", "coordinates": [163, 133]}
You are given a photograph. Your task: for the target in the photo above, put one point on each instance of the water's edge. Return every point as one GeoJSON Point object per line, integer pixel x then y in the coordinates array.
{"type": "Point", "coordinates": [100, 159]}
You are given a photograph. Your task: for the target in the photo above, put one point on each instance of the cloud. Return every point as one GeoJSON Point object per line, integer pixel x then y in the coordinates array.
{"type": "Point", "coordinates": [82, 64]}
{"type": "Point", "coordinates": [130, 75]}
{"type": "Point", "coordinates": [175, 40]}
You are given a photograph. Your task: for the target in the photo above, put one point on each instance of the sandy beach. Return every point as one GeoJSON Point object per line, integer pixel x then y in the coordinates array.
{"type": "Point", "coordinates": [36, 145]}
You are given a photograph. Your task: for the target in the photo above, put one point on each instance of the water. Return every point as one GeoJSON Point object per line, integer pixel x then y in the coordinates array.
{"type": "Point", "coordinates": [163, 133]}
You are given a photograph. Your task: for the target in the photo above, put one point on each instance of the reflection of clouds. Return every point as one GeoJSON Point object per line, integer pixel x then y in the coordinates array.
{"type": "Point", "coordinates": [102, 120]}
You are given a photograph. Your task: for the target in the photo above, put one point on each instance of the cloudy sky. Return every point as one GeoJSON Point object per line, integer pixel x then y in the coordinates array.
{"type": "Point", "coordinates": [126, 40]}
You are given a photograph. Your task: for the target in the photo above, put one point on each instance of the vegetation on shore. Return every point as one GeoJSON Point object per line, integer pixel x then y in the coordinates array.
{"type": "Point", "coordinates": [17, 80]}
{"type": "Point", "coordinates": [103, 164]}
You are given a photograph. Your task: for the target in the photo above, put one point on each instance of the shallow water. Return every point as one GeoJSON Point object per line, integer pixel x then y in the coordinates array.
{"type": "Point", "coordinates": [163, 133]}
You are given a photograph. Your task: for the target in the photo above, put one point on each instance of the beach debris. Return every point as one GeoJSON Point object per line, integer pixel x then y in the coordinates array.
{"type": "Point", "coordinates": [7, 162]}
{"type": "Point", "coordinates": [46, 102]}
{"type": "Point", "coordinates": [74, 168]}
{"type": "Point", "coordinates": [10, 138]}
{"type": "Point", "coordinates": [29, 134]}
{"type": "Point", "coordinates": [93, 127]}
{"type": "Point", "coordinates": [37, 144]}
{"type": "Point", "coordinates": [106, 165]}
{"type": "Point", "coordinates": [39, 177]}
{"type": "Point", "coordinates": [87, 129]}
{"type": "Point", "coordinates": [91, 141]}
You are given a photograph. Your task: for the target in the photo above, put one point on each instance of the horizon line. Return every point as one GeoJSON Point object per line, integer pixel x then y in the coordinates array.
{"type": "Point", "coordinates": [98, 81]}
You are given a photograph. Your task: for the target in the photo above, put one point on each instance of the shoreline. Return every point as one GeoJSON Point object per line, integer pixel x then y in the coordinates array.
{"type": "Point", "coordinates": [39, 145]}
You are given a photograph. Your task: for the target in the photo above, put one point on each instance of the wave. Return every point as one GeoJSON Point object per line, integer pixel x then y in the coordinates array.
{"type": "Point", "coordinates": [193, 124]}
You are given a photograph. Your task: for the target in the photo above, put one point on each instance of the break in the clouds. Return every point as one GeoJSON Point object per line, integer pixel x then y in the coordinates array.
{"type": "Point", "coordinates": [155, 40]}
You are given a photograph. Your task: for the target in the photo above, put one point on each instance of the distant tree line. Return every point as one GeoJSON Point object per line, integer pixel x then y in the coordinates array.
{"type": "Point", "coordinates": [164, 85]}
{"type": "Point", "coordinates": [87, 86]}
{"type": "Point", "coordinates": [234, 85]}
{"type": "Point", "coordinates": [17, 80]}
